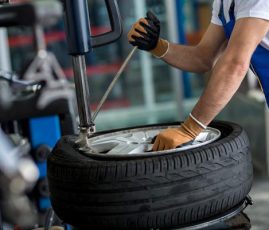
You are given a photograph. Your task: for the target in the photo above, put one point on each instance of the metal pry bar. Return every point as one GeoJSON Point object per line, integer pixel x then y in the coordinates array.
{"type": "Point", "coordinates": [115, 79]}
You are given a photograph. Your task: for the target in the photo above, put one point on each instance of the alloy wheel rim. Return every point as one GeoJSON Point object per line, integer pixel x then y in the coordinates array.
{"type": "Point", "coordinates": [138, 142]}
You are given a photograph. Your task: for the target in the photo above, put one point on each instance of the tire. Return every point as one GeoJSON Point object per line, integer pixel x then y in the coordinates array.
{"type": "Point", "coordinates": [150, 192]}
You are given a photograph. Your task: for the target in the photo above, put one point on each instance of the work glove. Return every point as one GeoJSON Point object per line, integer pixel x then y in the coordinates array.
{"type": "Point", "coordinates": [175, 137]}
{"type": "Point", "coordinates": [145, 34]}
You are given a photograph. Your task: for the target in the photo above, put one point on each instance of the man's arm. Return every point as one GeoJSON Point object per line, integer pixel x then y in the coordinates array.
{"type": "Point", "coordinates": [145, 35]}
{"type": "Point", "coordinates": [226, 78]}
{"type": "Point", "coordinates": [199, 58]}
{"type": "Point", "coordinates": [231, 68]}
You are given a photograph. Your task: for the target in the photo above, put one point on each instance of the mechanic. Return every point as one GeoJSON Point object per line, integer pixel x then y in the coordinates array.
{"type": "Point", "coordinates": [236, 39]}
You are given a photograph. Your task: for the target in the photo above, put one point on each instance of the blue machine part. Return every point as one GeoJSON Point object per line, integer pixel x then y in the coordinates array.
{"type": "Point", "coordinates": [44, 203]}
{"type": "Point", "coordinates": [44, 131]}
{"type": "Point", "coordinates": [68, 227]}
{"type": "Point", "coordinates": [42, 167]}
{"type": "Point", "coordinates": [77, 27]}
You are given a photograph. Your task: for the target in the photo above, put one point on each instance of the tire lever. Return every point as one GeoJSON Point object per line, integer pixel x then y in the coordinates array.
{"type": "Point", "coordinates": [114, 81]}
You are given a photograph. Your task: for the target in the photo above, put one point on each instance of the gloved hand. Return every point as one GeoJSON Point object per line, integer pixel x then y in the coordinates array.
{"type": "Point", "coordinates": [174, 137]}
{"type": "Point", "coordinates": [145, 34]}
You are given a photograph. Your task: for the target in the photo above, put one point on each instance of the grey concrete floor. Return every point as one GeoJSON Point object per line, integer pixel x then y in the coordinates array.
{"type": "Point", "coordinates": [259, 212]}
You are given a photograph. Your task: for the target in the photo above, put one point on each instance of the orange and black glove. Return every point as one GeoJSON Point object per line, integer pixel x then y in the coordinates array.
{"type": "Point", "coordinates": [175, 137]}
{"type": "Point", "coordinates": [145, 34]}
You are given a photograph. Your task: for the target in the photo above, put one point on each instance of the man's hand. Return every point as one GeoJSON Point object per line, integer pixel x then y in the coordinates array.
{"type": "Point", "coordinates": [174, 137]}
{"type": "Point", "coordinates": [171, 139]}
{"type": "Point", "coordinates": [145, 34]}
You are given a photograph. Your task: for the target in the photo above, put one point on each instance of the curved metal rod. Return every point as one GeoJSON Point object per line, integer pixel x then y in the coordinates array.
{"type": "Point", "coordinates": [125, 63]}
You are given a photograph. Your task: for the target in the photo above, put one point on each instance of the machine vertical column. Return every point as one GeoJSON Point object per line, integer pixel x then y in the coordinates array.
{"type": "Point", "coordinates": [147, 71]}
{"type": "Point", "coordinates": [177, 82]}
{"type": "Point", "coordinates": [4, 51]}
{"type": "Point", "coordinates": [79, 43]}
{"type": "Point", "coordinates": [82, 91]}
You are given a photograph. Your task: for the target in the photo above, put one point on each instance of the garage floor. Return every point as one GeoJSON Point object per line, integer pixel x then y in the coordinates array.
{"type": "Point", "coordinates": [259, 212]}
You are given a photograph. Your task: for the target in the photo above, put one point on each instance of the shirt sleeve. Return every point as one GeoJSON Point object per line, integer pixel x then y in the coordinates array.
{"type": "Point", "coordinates": [215, 13]}
{"type": "Point", "coordinates": [253, 9]}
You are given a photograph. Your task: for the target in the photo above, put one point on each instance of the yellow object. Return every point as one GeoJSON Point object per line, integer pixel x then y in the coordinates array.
{"type": "Point", "coordinates": [173, 137]}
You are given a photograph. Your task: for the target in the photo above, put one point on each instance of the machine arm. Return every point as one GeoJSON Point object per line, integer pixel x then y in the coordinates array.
{"type": "Point", "coordinates": [78, 31]}
{"type": "Point", "coordinates": [80, 42]}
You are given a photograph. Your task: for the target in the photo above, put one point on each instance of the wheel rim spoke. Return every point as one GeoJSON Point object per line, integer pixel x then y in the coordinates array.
{"type": "Point", "coordinates": [127, 149]}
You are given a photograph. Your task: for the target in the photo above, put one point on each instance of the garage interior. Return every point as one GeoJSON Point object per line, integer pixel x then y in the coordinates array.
{"type": "Point", "coordinates": [42, 93]}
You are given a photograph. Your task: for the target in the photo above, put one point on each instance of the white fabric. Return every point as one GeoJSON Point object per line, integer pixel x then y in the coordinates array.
{"type": "Point", "coordinates": [243, 9]}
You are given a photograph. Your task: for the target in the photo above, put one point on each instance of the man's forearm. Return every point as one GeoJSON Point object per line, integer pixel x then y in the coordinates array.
{"type": "Point", "coordinates": [231, 68]}
{"type": "Point", "coordinates": [187, 58]}
{"type": "Point", "coordinates": [224, 82]}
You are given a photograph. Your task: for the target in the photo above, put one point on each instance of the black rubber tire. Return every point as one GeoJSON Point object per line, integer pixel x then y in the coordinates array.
{"type": "Point", "coordinates": [150, 192]}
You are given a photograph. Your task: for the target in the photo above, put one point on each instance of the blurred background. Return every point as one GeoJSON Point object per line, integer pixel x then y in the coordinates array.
{"type": "Point", "coordinates": [150, 91]}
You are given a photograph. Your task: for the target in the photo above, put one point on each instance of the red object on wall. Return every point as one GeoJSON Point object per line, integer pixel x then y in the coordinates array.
{"type": "Point", "coordinates": [97, 69]}
{"type": "Point", "coordinates": [54, 36]}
